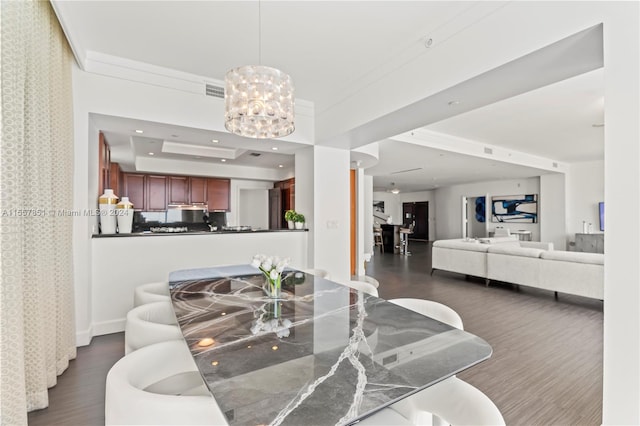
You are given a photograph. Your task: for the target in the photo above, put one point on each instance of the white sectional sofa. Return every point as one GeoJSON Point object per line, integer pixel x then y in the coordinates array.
{"type": "Point", "coordinates": [526, 263]}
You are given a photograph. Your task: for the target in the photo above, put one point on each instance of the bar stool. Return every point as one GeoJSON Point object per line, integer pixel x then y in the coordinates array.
{"type": "Point", "coordinates": [377, 238]}
{"type": "Point", "coordinates": [404, 240]}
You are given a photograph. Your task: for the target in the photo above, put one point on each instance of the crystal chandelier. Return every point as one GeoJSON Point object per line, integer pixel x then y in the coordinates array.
{"type": "Point", "coordinates": [258, 100]}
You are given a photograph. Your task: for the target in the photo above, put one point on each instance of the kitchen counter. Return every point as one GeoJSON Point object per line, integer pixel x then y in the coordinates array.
{"type": "Point", "coordinates": [164, 234]}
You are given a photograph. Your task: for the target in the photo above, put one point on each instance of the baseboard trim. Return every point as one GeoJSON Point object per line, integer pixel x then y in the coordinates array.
{"type": "Point", "coordinates": [109, 327]}
{"type": "Point", "coordinates": [83, 338]}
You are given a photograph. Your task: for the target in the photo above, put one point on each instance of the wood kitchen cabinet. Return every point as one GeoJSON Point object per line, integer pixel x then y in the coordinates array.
{"type": "Point", "coordinates": [198, 190]}
{"type": "Point", "coordinates": [178, 189]}
{"type": "Point", "coordinates": [288, 198]}
{"type": "Point", "coordinates": [218, 194]}
{"type": "Point", "coordinates": [134, 188]}
{"type": "Point", "coordinates": [156, 193]}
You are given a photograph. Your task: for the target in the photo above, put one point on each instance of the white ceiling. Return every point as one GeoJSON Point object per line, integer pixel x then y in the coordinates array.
{"type": "Point", "coordinates": [332, 49]}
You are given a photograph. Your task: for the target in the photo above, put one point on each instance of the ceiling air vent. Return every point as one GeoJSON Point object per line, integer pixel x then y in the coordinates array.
{"type": "Point", "coordinates": [488, 150]}
{"type": "Point", "coordinates": [215, 91]}
{"type": "Point", "coordinates": [255, 154]}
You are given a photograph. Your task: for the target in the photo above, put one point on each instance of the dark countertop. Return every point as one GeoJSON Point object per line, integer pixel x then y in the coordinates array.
{"type": "Point", "coordinates": [164, 234]}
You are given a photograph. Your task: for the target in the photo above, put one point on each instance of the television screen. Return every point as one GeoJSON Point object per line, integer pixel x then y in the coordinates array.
{"type": "Point", "coordinates": [601, 207]}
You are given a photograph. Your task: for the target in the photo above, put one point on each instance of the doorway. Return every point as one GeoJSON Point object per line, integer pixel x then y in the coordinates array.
{"type": "Point", "coordinates": [474, 217]}
{"type": "Point", "coordinates": [417, 213]}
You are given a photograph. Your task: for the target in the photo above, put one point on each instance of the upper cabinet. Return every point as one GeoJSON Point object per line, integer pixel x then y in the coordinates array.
{"type": "Point", "coordinates": [198, 190]}
{"type": "Point", "coordinates": [178, 189]}
{"type": "Point", "coordinates": [133, 186]}
{"type": "Point", "coordinates": [218, 194]}
{"type": "Point", "coordinates": [156, 192]}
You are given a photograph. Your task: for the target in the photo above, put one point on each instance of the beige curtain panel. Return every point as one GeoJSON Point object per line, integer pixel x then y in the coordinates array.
{"type": "Point", "coordinates": [37, 333]}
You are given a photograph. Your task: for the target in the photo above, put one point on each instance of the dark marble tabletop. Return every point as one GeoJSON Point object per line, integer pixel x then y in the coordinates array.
{"type": "Point", "coordinates": [321, 355]}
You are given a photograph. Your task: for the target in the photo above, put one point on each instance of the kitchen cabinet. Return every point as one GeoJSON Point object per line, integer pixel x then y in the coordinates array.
{"type": "Point", "coordinates": [115, 179]}
{"type": "Point", "coordinates": [198, 190]}
{"type": "Point", "coordinates": [218, 194]}
{"type": "Point", "coordinates": [178, 189]}
{"type": "Point", "coordinates": [288, 198]}
{"type": "Point", "coordinates": [156, 193]}
{"type": "Point", "coordinates": [134, 188]}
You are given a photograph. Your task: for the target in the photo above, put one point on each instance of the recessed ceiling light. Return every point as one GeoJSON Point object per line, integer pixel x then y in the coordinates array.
{"type": "Point", "coordinates": [198, 157]}
{"type": "Point", "coordinates": [139, 131]}
{"type": "Point", "coordinates": [454, 103]}
{"type": "Point", "coordinates": [280, 165]}
{"type": "Point", "coordinates": [598, 125]}
{"type": "Point", "coordinates": [224, 160]}
{"type": "Point", "coordinates": [275, 148]}
{"type": "Point", "coordinates": [174, 136]}
{"type": "Point", "coordinates": [151, 153]}
{"type": "Point", "coordinates": [215, 140]}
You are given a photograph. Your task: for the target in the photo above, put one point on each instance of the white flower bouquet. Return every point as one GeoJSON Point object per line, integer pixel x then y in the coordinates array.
{"type": "Point", "coordinates": [272, 268]}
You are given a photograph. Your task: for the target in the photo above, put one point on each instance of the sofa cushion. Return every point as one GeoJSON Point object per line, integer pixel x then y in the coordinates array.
{"type": "Point", "coordinates": [515, 250]}
{"type": "Point", "coordinates": [497, 240]}
{"type": "Point", "coordinates": [574, 256]}
{"type": "Point", "coordinates": [472, 245]}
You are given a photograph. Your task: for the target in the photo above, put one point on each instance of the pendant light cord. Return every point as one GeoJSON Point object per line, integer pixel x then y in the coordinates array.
{"type": "Point", "coordinates": [259, 33]}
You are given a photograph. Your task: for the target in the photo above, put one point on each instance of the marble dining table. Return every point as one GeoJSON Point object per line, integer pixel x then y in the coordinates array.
{"type": "Point", "coordinates": [321, 354]}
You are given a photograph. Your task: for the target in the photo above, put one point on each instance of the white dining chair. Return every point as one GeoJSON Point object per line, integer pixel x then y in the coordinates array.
{"type": "Point", "coordinates": [385, 417]}
{"type": "Point", "coordinates": [362, 286]}
{"type": "Point", "coordinates": [148, 324]}
{"type": "Point", "coordinates": [151, 292]}
{"type": "Point", "coordinates": [451, 401]}
{"type": "Point", "coordinates": [318, 273]}
{"type": "Point", "coordinates": [159, 385]}
{"type": "Point", "coordinates": [429, 308]}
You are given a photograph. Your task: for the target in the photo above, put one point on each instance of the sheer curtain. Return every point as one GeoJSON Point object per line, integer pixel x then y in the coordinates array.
{"type": "Point", "coordinates": [37, 336]}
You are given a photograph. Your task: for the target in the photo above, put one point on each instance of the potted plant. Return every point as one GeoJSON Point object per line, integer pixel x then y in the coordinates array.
{"type": "Point", "coordinates": [289, 216]}
{"type": "Point", "coordinates": [299, 220]}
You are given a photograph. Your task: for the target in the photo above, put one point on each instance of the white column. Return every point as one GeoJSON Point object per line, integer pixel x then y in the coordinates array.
{"type": "Point", "coordinates": [621, 379]}
{"type": "Point", "coordinates": [552, 210]}
{"type": "Point", "coordinates": [322, 195]}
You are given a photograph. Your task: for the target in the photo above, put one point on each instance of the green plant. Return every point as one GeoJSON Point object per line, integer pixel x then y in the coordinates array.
{"type": "Point", "coordinates": [289, 215]}
{"type": "Point", "coordinates": [299, 217]}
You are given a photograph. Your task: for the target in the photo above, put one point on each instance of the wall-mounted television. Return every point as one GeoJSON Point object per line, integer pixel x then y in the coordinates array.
{"type": "Point", "coordinates": [601, 208]}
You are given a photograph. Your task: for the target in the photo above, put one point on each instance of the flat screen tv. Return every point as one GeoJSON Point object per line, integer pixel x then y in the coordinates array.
{"type": "Point", "coordinates": [601, 208]}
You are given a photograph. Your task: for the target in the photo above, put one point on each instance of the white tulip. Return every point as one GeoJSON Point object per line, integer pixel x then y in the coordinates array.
{"type": "Point", "coordinates": [274, 274]}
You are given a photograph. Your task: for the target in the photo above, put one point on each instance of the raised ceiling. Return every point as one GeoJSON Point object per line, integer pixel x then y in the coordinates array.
{"type": "Point", "coordinates": [334, 50]}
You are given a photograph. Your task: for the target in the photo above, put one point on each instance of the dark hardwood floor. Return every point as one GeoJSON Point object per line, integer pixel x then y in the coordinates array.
{"type": "Point", "coordinates": [546, 367]}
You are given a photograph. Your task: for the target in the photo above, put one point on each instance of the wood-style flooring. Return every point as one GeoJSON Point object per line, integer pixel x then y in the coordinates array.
{"type": "Point", "coordinates": [546, 367]}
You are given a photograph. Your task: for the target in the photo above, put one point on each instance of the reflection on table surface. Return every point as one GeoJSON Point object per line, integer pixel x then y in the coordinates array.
{"type": "Point", "coordinates": [322, 354]}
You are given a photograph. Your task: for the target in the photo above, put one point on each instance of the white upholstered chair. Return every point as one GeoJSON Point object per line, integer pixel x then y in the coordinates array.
{"type": "Point", "coordinates": [159, 385]}
{"type": "Point", "coordinates": [385, 417]}
{"type": "Point", "coordinates": [362, 286]}
{"type": "Point", "coordinates": [451, 401]}
{"type": "Point", "coordinates": [435, 310]}
{"type": "Point", "coordinates": [318, 273]}
{"type": "Point", "coordinates": [151, 292]}
{"type": "Point", "coordinates": [150, 323]}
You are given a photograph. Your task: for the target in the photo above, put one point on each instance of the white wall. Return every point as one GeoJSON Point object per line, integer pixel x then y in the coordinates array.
{"type": "Point", "coordinates": [448, 201]}
{"type": "Point", "coordinates": [122, 263]}
{"type": "Point", "coordinates": [552, 204]}
{"type": "Point", "coordinates": [254, 208]}
{"type": "Point", "coordinates": [237, 185]}
{"type": "Point", "coordinates": [621, 376]}
{"type": "Point", "coordinates": [392, 205]}
{"type": "Point", "coordinates": [368, 214]}
{"type": "Point", "coordinates": [585, 189]}
{"type": "Point", "coordinates": [101, 94]}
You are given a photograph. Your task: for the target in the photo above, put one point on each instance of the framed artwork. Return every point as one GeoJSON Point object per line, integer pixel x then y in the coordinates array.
{"type": "Point", "coordinates": [378, 206]}
{"type": "Point", "coordinates": [515, 208]}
